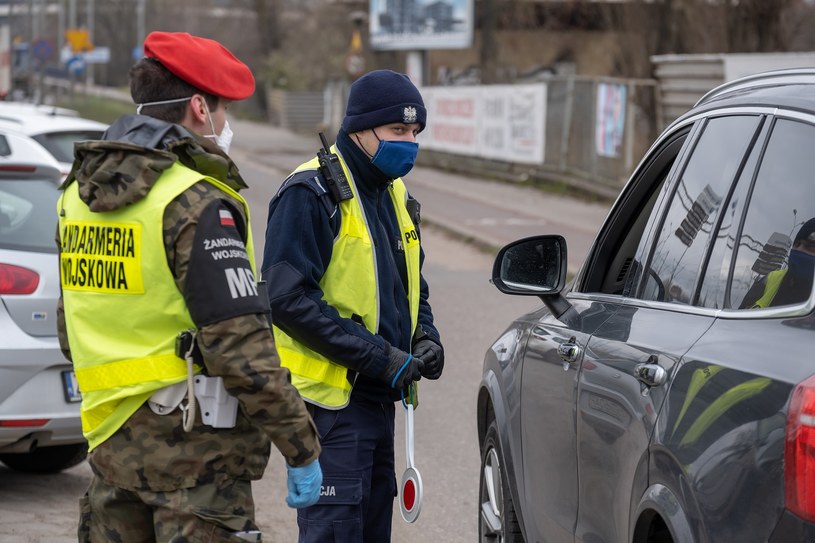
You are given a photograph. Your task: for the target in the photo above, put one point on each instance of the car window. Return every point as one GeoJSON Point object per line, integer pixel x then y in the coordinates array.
{"type": "Point", "coordinates": [28, 217]}
{"type": "Point", "coordinates": [680, 247]}
{"type": "Point", "coordinates": [612, 266]}
{"type": "Point", "coordinates": [714, 288]}
{"type": "Point", "coordinates": [61, 144]}
{"type": "Point", "coordinates": [775, 253]}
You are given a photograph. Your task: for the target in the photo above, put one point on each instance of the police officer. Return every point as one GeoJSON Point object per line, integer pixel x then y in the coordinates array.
{"type": "Point", "coordinates": [349, 303]}
{"type": "Point", "coordinates": [154, 240]}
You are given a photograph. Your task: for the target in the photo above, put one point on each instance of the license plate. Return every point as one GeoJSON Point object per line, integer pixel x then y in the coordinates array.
{"type": "Point", "coordinates": [70, 387]}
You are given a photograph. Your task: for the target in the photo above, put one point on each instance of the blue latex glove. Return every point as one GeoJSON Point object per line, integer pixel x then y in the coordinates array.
{"type": "Point", "coordinates": [304, 485]}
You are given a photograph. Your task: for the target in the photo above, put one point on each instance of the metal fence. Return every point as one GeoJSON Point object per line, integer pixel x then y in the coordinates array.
{"type": "Point", "coordinates": [576, 126]}
{"type": "Point", "coordinates": [300, 111]}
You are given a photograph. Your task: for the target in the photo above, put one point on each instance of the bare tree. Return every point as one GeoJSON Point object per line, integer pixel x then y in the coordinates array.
{"type": "Point", "coordinates": [110, 31]}
{"type": "Point", "coordinates": [757, 25]}
{"type": "Point", "coordinates": [314, 42]}
{"type": "Point", "coordinates": [268, 17]}
{"type": "Point", "coordinates": [650, 27]}
{"type": "Point", "coordinates": [488, 54]}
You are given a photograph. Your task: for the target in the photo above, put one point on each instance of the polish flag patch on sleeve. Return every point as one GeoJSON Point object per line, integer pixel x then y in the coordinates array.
{"type": "Point", "coordinates": [226, 218]}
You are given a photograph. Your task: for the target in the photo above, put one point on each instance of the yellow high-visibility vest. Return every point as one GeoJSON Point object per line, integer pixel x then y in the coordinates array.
{"type": "Point", "coordinates": [123, 310]}
{"type": "Point", "coordinates": [350, 286]}
{"type": "Point", "coordinates": [771, 286]}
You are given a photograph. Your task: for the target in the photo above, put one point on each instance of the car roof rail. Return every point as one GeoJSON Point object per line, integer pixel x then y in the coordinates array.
{"type": "Point", "coordinates": [775, 77]}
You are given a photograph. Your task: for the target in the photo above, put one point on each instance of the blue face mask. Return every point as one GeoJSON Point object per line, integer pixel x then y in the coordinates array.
{"type": "Point", "coordinates": [801, 264]}
{"type": "Point", "coordinates": [395, 158]}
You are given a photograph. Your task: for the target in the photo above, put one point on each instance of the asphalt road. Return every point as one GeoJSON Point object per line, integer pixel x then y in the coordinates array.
{"type": "Point", "coordinates": [470, 314]}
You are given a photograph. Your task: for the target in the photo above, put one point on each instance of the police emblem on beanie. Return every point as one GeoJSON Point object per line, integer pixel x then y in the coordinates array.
{"type": "Point", "coordinates": [382, 97]}
{"type": "Point", "coordinates": [409, 115]}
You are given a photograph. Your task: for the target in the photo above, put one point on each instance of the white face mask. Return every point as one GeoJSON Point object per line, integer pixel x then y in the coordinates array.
{"type": "Point", "coordinates": [222, 140]}
{"type": "Point", "coordinates": [140, 106]}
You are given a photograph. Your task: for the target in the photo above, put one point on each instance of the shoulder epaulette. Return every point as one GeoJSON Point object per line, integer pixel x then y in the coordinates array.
{"type": "Point", "coordinates": [314, 181]}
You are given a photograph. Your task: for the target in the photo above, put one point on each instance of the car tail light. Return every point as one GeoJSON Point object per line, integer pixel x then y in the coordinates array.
{"type": "Point", "coordinates": [23, 423]}
{"type": "Point", "coordinates": [17, 280]}
{"type": "Point", "coordinates": [17, 168]}
{"type": "Point", "coordinates": [799, 455]}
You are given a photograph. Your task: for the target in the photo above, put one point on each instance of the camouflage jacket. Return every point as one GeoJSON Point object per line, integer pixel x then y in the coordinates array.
{"type": "Point", "coordinates": [152, 452]}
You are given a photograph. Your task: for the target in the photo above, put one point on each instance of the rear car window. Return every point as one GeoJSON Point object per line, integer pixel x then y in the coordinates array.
{"type": "Point", "coordinates": [775, 253]}
{"type": "Point", "coordinates": [61, 144]}
{"type": "Point", "coordinates": [28, 216]}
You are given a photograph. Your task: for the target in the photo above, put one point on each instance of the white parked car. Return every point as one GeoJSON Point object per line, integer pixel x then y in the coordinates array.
{"type": "Point", "coordinates": [42, 109]}
{"type": "Point", "coordinates": [56, 129]}
{"type": "Point", "coordinates": [40, 428]}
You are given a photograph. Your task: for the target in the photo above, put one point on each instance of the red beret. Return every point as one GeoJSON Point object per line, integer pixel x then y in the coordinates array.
{"type": "Point", "coordinates": [201, 62]}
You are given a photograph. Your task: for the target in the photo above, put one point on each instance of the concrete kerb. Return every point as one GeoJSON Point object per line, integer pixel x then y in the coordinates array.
{"type": "Point", "coordinates": [490, 247]}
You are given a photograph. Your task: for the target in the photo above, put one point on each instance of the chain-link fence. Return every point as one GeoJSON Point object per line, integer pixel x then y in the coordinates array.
{"type": "Point", "coordinates": [598, 128]}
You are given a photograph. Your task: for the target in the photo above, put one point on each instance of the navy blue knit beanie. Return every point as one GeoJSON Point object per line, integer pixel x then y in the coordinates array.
{"type": "Point", "coordinates": [806, 231]}
{"type": "Point", "coordinates": [383, 97]}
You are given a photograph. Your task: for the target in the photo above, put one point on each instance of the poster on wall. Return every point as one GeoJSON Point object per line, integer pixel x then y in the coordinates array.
{"type": "Point", "coordinates": [610, 127]}
{"type": "Point", "coordinates": [452, 119]}
{"type": "Point", "coordinates": [500, 122]}
{"type": "Point", "coordinates": [512, 123]}
{"type": "Point", "coordinates": [421, 24]}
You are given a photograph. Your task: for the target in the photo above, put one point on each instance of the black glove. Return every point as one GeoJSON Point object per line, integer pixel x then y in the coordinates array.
{"type": "Point", "coordinates": [403, 369]}
{"type": "Point", "coordinates": [432, 354]}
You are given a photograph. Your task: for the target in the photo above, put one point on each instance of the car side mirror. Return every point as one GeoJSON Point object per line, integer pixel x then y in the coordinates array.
{"type": "Point", "coordinates": [531, 266]}
{"type": "Point", "coordinates": [534, 266]}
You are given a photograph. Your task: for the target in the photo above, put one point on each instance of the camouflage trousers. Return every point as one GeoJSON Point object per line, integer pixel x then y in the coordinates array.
{"type": "Point", "coordinates": [214, 512]}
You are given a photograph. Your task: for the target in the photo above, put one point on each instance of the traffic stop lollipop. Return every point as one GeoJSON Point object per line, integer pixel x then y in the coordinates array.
{"type": "Point", "coordinates": [410, 495]}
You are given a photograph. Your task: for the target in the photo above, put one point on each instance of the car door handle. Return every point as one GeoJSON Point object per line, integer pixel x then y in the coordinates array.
{"type": "Point", "coordinates": [569, 351]}
{"type": "Point", "coordinates": [651, 374]}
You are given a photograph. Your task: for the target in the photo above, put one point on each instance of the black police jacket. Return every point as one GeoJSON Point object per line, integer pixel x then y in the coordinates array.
{"type": "Point", "coordinates": [302, 225]}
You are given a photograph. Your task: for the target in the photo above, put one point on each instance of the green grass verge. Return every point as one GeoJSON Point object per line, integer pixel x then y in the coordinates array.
{"type": "Point", "coordinates": [103, 110]}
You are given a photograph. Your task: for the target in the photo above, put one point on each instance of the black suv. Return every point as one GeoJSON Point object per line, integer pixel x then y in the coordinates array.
{"type": "Point", "coordinates": [668, 394]}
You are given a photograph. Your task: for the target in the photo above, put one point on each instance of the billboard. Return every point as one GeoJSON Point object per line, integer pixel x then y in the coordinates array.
{"type": "Point", "coordinates": [421, 24]}
{"type": "Point", "coordinates": [500, 122]}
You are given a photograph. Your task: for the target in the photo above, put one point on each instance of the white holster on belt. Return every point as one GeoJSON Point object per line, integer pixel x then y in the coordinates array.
{"type": "Point", "coordinates": [219, 409]}
{"type": "Point", "coordinates": [166, 399]}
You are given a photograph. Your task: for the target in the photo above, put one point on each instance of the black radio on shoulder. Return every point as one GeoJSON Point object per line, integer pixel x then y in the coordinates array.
{"type": "Point", "coordinates": [331, 169]}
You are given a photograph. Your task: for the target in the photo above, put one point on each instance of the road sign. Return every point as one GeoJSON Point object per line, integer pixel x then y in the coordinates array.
{"type": "Point", "coordinates": [42, 49]}
{"type": "Point", "coordinates": [97, 55]}
{"type": "Point", "coordinates": [79, 39]}
{"type": "Point", "coordinates": [76, 65]}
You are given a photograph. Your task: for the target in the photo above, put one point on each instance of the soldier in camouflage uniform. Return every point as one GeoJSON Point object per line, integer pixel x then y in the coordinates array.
{"type": "Point", "coordinates": [155, 477]}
